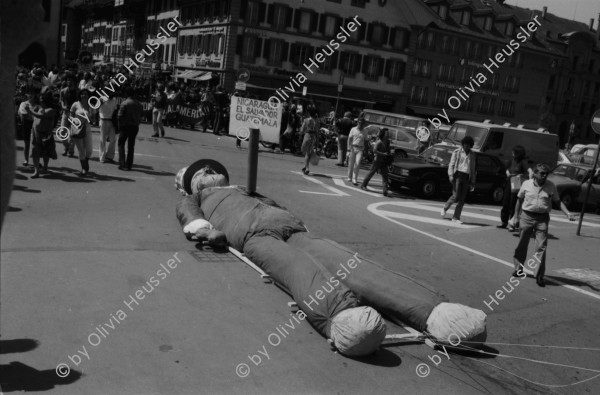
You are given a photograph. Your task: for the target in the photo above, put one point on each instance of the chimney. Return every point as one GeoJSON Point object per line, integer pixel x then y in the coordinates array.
{"type": "Point", "coordinates": [545, 9]}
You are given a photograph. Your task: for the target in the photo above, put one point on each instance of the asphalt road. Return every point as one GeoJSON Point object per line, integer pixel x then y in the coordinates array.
{"type": "Point", "coordinates": [75, 250]}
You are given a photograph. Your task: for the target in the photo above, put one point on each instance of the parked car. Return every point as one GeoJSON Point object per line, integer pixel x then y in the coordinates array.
{"type": "Point", "coordinates": [402, 130]}
{"type": "Point", "coordinates": [427, 174]}
{"type": "Point", "coordinates": [585, 155]}
{"type": "Point", "coordinates": [439, 134]}
{"type": "Point", "coordinates": [571, 181]}
{"type": "Point", "coordinates": [563, 157]}
{"type": "Point", "coordinates": [405, 141]}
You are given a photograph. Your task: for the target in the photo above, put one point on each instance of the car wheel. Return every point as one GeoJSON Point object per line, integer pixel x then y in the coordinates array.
{"type": "Point", "coordinates": [567, 199]}
{"type": "Point", "coordinates": [428, 188]}
{"type": "Point", "coordinates": [497, 194]}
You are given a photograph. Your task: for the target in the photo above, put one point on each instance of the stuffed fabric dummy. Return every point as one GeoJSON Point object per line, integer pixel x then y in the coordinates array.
{"type": "Point", "coordinates": [339, 292]}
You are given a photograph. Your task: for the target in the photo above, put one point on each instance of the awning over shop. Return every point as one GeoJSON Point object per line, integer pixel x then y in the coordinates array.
{"type": "Point", "coordinates": [206, 77]}
{"type": "Point", "coordinates": [189, 74]}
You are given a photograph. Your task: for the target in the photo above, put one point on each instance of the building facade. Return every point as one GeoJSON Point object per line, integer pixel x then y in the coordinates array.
{"type": "Point", "coordinates": [548, 77]}
{"type": "Point", "coordinates": [366, 47]}
{"type": "Point", "coordinates": [410, 56]}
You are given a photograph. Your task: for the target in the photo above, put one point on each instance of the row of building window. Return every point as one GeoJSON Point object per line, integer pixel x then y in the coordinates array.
{"type": "Point", "coordinates": [481, 103]}
{"type": "Point", "coordinates": [281, 17]}
{"type": "Point", "coordinates": [153, 26]}
{"type": "Point", "coordinates": [464, 48]}
{"type": "Point", "coordinates": [299, 54]}
{"type": "Point", "coordinates": [203, 11]}
{"type": "Point", "coordinates": [464, 17]}
{"type": "Point", "coordinates": [447, 73]}
{"type": "Point", "coordinates": [208, 44]}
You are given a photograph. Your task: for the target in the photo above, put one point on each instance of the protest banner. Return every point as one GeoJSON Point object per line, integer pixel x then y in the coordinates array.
{"type": "Point", "coordinates": [249, 114]}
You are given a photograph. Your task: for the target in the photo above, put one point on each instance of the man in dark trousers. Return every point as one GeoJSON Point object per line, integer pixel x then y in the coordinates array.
{"type": "Point", "coordinates": [533, 209]}
{"type": "Point", "coordinates": [344, 126]}
{"type": "Point", "coordinates": [461, 172]}
{"type": "Point", "coordinates": [285, 118]}
{"type": "Point", "coordinates": [221, 102]}
{"type": "Point", "coordinates": [130, 114]}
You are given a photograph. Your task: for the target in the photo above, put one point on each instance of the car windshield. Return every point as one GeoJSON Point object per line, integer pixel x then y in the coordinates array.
{"type": "Point", "coordinates": [459, 131]}
{"type": "Point", "coordinates": [438, 154]}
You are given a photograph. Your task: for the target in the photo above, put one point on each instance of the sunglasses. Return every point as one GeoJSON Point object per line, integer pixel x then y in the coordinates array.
{"type": "Point", "coordinates": [543, 173]}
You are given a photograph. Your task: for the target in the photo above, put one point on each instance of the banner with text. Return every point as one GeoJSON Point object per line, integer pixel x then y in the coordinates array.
{"type": "Point", "coordinates": [249, 114]}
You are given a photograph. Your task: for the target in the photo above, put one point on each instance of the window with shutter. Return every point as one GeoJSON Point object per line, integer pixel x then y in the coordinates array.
{"type": "Point", "coordinates": [330, 26]}
{"type": "Point", "coordinates": [395, 71]}
{"type": "Point", "coordinates": [305, 21]}
{"type": "Point", "coordinates": [465, 18]}
{"type": "Point", "coordinates": [221, 45]}
{"type": "Point", "coordinates": [248, 48]}
{"type": "Point", "coordinates": [252, 13]}
{"type": "Point", "coordinates": [275, 53]}
{"type": "Point", "coordinates": [196, 45]}
{"type": "Point", "coordinates": [377, 35]}
{"type": "Point", "coordinates": [280, 17]}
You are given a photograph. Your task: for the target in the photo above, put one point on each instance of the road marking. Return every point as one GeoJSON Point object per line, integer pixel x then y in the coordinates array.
{"type": "Point", "coordinates": [340, 182]}
{"type": "Point", "coordinates": [427, 220]}
{"type": "Point", "coordinates": [335, 191]}
{"type": "Point", "coordinates": [482, 216]}
{"type": "Point", "coordinates": [373, 209]}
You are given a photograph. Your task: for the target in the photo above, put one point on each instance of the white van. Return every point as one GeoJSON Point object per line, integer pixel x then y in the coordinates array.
{"type": "Point", "coordinates": [499, 140]}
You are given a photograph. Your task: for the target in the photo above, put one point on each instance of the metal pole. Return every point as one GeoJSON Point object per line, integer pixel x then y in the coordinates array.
{"type": "Point", "coordinates": [252, 160]}
{"type": "Point", "coordinates": [587, 194]}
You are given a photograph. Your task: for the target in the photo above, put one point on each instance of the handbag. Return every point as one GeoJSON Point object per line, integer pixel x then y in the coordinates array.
{"type": "Point", "coordinates": [78, 131]}
{"type": "Point", "coordinates": [289, 131]}
{"type": "Point", "coordinates": [516, 182]}
{"type": "Point", "coordinates": [314, 158]}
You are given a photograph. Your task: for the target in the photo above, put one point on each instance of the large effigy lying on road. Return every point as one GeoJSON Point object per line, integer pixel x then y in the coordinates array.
{"type": "Point", "coordinates": [341, 293]}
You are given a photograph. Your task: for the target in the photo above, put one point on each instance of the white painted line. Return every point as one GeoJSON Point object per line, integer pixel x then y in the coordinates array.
{"type": "Point", "coordinates": [373, 209]}
{"type": "Point", "coordinates": [482, 216]}
{"type": "Point", "coordinates": [340, 182]}
{"type": "Point", "coordinates": [335, 191]}
{"type": "Point", "coordinates": [427, 220]}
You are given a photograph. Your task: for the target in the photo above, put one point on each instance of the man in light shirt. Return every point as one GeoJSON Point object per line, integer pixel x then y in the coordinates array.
{"type": "Point", "coordinates": [535, 200]}
{"type": "Point", "coordinates": [461, 172]}
{"type": "Point", "coordinates": [356, 146]}
{"type": "Point", "coordinates": [107, 131]}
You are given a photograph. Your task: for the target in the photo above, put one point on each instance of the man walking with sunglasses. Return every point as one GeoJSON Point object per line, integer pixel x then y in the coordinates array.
{"type": "Point", "coordinates": [535, 200]}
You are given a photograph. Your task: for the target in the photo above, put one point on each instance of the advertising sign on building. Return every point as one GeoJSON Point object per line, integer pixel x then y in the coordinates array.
{"type": "Point", "coordinates": [249, 114]}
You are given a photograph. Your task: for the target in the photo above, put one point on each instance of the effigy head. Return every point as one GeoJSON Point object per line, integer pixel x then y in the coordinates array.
{"type": "Point", "coordinates": [357, 331]}
{"type": "Point", "coordinates": [199, 175]}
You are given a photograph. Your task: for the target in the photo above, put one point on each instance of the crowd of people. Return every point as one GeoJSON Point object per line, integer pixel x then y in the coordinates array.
{"type": "Point", "coordinates": [54, 99]}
